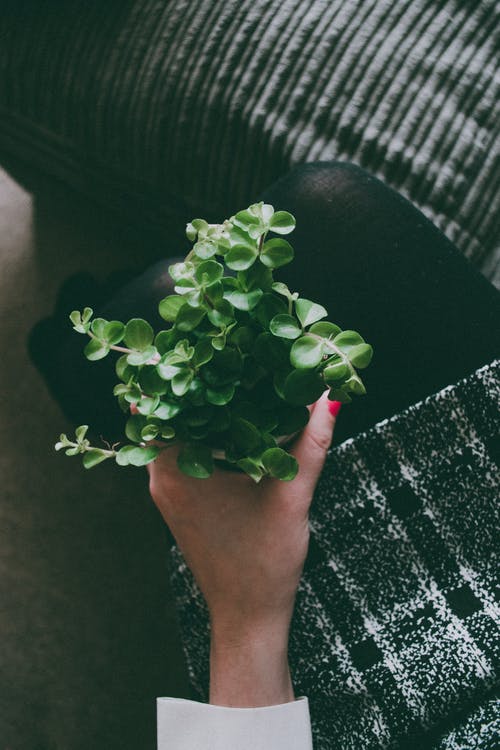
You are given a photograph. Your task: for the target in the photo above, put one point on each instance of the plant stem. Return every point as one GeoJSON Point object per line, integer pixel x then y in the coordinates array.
{"type": "Point", "coordinates": [122, 349]}
{"type": "Point", "coordinates": [153, 361]}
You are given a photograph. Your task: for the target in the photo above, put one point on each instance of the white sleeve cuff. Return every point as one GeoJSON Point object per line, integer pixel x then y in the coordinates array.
{"type": "Point", "coordinates": [189, 725]}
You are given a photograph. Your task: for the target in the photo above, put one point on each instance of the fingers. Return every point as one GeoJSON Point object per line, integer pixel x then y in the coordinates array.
{"type": "Point", "coordinates": [312, 446]}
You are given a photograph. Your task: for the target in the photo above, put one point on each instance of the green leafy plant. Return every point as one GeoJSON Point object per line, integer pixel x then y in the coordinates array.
{"type": "Point", "coordinates": [233, 372]}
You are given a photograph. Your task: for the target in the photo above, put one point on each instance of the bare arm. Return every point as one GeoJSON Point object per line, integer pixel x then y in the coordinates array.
{"type": "Point", "coordinates": [246, 544]}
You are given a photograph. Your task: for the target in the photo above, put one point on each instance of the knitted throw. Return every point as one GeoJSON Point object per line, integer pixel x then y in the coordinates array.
{"type": "Point", "coordinates": [395, 634]}
{"type": "Point", "coordinates": [182, 107]}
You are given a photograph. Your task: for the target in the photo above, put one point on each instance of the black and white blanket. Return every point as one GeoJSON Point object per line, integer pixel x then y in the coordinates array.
{"type": "Point", "coordinates": [395, 637]}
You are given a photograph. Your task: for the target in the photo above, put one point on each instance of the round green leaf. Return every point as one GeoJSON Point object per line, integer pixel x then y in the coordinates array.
{"type": "Point", "coordinates": [123, 369]}
{"type": "Point", "coordinates": [196, 460]}
{"type": "Point", "coordinates": [185, 285]}
{"type": "Point", "coordinates": [347, 339]}
{"type": "Point", "coordinates": [205, 249]}
{"type": "Point", "coordinates": [182, 349]}
{"type": "Point", "coordinates": [191, 231]}
{"type": "Point", "coordinates": [121, 389]}
{"type": "Point", "coordinates": [167, 410]}
{"type": "Point", "coordinates": [167, 432]}
{"type": "Point", "coordinates": [194, 297]}
{"type": "Point", "coordinates": [219, 342]}
{"type": "Point", "coordinates": [280, 464]}
{"type": "Point", "coordinates": [282, 222]}
{"type": "Point", "coordinates": [141, 357]}
{"type": "Point", "coordinates": [95, 350]}
{"type": "Point", "coordinates": [355, 385]}
{"type": "Point", "coordinates": [134, 394]}
{"type": "Point", "coordinates": [87, 314]}
{"type": "Point", "coordinates": [309, 312]}
{"type": "Point", "coordinates": [178, 271]}
{"type": "Point", "coordinates": [93, 457]}
{"type": "Point", "coordinates": [303, 387]}
{"type": "Point", "coordinates": [338, 394]}
{"type": "Point", "coordinates": [246, 218]}
{"type": "Point", "coordinates": [256, 277]}
{"type": "Point", "coordinates": [360, 355]}
{"type": "Point", "coordinates": [325, 329]}
{"type": "Point", "coordinates": [189, 317]}
{"type": "Point", "coordinates": [222, 314]}
{"type": "Point", "coordinates": [149, 432]}
{"type": "Point", "coordinates": [195, 227]}
{"type": "Point", "coordinates": [138, 334]}
{"type": "Point", "coordinates": [81, 431]}
{"type": "Point", "coordinates": [78, 323]}
{"type": "Point", "coordinates": [245, 437]}
{"type": "Point", "coordinates": [220, 396]}
{"type": "Point", "coordinates": [113, 332]}
{"type": "Point", "coordinates": [243, 300]}
{"type": "Point", "coordinates": [306, 352]}
{"type": "Point", "coordinates": [336, 373]}
{"type": "Point", "coordinates": [181, 382]}
{"type": "Point", "coordinates": [98, 326]}
{"type": "Point", "coordinates": [285, 326]}
{"type": "Point", "coordinates": [167, 372]}
{"type": "Point", "coordinates": [269, 306]}
{"type": "Point", "coordinates": [241, 257]}
{"type": "Point", "coordinates": [133, 428]}
{"type": "Point", "coordinates": [151, 382]}
{"type": "Point", "coordinates": [209, 272]}
{"type": "Point", "coordinates": [276, 253]}
{"type": "Point", "coordinates": [214, 293]}
{"type": "Point", "coordinates": [170, 306]}
{"type": "Point", "coordinates": [166, 340]}
{"type": "Point", "coordinates": [196, 392]}
{"type": "Point", "coordinates": [203, 352]}
{"type": "Point", "coordinates": [266, 211]}
{"type": "Point", "coordinates": [282, 289]}
{"type": "Point", "coordinates": [148, 404]}
{"type": "Point", "coordinates": [135, 456]}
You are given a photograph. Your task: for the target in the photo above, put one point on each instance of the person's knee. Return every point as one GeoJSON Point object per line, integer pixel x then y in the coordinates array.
{"type": "Point", "coordinates": [334, 187]}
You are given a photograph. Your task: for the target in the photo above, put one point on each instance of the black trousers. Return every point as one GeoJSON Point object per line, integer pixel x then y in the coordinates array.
{"type": "Point", "coordinates": [364, 252]}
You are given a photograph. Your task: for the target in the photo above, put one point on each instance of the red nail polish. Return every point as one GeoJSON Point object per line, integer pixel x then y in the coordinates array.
{"type": "Point", "coordinates": [334, 407]}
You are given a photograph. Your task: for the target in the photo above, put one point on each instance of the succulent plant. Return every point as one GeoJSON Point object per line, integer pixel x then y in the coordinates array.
{"type": "Point", "coordinates": [240, 360]}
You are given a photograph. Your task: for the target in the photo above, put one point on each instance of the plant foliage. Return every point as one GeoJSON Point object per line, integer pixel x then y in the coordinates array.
{"type": "Point", "coordinates": [240, 359]}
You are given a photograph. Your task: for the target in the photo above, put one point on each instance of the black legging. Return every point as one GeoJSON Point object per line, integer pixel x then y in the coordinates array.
{"type": "Point", "coordinates": [377, 265]}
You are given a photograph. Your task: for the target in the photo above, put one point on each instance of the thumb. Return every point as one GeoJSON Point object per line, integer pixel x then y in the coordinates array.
{"type": "Point", "coordinates": [312, 446]}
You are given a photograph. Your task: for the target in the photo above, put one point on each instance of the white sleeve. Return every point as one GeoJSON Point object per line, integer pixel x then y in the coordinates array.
{"type": "Point", "coordinates": [189, 725]}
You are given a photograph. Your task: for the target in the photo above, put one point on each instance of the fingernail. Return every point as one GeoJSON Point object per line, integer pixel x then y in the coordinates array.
{"type": "Point", "coordinates": [334, 407]}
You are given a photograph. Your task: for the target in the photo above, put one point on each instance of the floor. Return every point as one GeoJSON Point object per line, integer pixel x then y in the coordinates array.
{"type": "Point", "coordinates": [87, 623]}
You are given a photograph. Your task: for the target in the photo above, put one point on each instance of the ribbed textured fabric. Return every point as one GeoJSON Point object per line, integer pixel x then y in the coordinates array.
{"type": "Point", "coordinates": [194, 107]}
{"type": "Point", "coordinates": [395, 636]}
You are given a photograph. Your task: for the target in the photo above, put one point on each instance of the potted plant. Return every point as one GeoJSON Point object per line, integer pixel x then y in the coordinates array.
{"type": "Point", "coordinates": [242, 357]}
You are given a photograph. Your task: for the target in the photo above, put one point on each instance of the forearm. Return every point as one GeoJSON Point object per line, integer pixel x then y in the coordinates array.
{"type": "Point", "coordinates": [250, 670]}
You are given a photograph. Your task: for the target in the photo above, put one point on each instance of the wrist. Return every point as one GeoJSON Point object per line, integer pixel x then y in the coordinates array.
{"type": "Point", "coordinates": [250, 669]}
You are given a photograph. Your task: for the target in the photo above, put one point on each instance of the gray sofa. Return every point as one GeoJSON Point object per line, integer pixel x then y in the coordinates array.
{"type": "Point", "coordinates": [181, 108]}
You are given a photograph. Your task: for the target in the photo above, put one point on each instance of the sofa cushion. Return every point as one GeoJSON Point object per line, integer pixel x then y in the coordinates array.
{"type": "Point", "coordinates": [194, 107]}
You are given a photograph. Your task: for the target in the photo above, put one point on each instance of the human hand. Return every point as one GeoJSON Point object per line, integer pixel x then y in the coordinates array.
{"type": "Point", "coordinates": [245, 544]}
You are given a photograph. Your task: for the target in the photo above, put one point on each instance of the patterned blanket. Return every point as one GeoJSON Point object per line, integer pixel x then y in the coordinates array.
{"type": "Point", "coordinates": [395, 637]}
{"type": "Point", "coordinates": [181, 107]}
